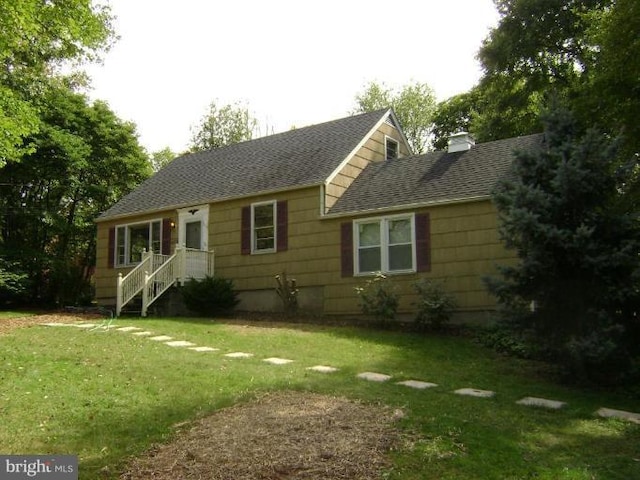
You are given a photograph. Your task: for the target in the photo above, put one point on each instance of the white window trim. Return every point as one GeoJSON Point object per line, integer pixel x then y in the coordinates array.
{"type": "Point", "coordinates": [384, 244]}
{"type": "Point", "coordinates": [387, 139]}
{"type": "Point", "coordinates": [127, 241]}
{"type": "Point", "coordinates": [274, 205]}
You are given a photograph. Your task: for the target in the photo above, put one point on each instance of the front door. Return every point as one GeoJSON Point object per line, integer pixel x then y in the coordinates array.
{"type": "Point", "coordinates": [193, 227]}
{"type": "Point", "coordinates": [193, 233]}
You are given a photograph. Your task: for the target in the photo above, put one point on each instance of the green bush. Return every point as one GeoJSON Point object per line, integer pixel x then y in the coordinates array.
{"type": "Point", "coordinates": [435, 305]}
{"type": "Point", "coordinates": [378, 297]}
{"type": "Point", "coordinates": [210, 296]}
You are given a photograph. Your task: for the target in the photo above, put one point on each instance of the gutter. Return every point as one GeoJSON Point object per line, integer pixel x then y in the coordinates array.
{"type": "Point", "coordinates": [408, 206]}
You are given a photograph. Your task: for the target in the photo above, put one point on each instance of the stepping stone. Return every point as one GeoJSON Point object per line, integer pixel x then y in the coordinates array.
{"type": "Point", "coordinates": [55, 324]}
{"type": "Point", "coordinates": [86, 325]}
{"type": "Point", "coordinates": [128, 329]}
{"type": "Point", "coordinates": [541, 402]}
{"type": "Point", "coordinates": [142, 334]}
{"type": "Point", "coordinates": [277, 361]}
{"type": "Point", "coordinates": [323, 369]}
{"type": "Point", "coordinates": [417, 384]}
{"type": "Point", "coordinates": [203, 349]}
{"type": "Point", "coordinates": [239, 355]}
{"type": "Point", "coordinates": [474, 392]}
{"type": "Point", "coordinates": [611, 413]}
{"type": "Point", "coordinates": [374, 377]}
{"type": "Point", "coordinates": [161, 338]}
{"type": "Point", "coordinates": [180, 343]}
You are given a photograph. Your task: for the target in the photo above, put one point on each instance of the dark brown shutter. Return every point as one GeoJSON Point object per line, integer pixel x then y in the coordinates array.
{"type": "Point", "coordinates": [111, 255]}
{"type": "Point", "coordinates": [282, 227]}
{"type": "Point", "coordinates": [346, 249]}
{"type": "Point", "coordinates": [423, 242]}
{"type": "Point", "coordinates": [245, 231]}
{"type": "Point", "coordinates": [166, 237]}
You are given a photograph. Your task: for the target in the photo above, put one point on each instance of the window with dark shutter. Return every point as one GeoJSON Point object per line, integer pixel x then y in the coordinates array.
{"type": "Point", "coordinates": [282, 226]}
{"type": "Point", "coordinates": [165, 249]}
{"type": "Point", "coordinates": [346, 249]}
{"type": "Point", "coordinates": [245, 231]}
{"type": "Point", "coordinates": [112, 247]}
{"type": "Point", "coordinates": [423, 242]}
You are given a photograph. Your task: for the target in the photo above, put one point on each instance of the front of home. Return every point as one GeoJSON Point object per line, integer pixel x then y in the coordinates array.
{"type": "Point", "coordinates": [330, 205]}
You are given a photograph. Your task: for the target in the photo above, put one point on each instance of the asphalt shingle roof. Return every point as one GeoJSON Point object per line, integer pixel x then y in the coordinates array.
{"type": "Point", "coordinates": [296, 158]}
{"type": "Point", "coordinates": [433, 177]}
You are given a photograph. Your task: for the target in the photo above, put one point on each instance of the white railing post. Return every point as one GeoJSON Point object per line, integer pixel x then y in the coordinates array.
{"type": "Point", "coordinates": [145, 294]}
{"type": "Point", "coordinates": [119, 295]}
{"type": "Point", "coordinates": [182, 264]}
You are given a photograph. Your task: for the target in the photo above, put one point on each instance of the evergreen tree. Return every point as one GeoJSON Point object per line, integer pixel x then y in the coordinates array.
{"type": "Point", "coordinates": [565, 214]}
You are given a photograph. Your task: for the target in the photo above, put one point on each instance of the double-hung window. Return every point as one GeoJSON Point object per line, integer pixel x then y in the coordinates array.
{"type": "Point", "coordinates": [263, 227]}
{"type": "Point", "coordinates": [133, 239]}
{"type": "Point", "coordinates": [391, 148]}
{"type": "Point", "coordinates": [385, 245]}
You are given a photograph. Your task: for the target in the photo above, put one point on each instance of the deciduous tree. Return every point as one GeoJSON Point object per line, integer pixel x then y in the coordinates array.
{"type": "Point", "coordinates": [222, 126]}
{"type": "Point", "coordinates": [414, 104]}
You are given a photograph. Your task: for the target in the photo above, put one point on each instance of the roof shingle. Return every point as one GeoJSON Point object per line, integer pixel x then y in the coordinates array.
{"type": "Point", "coordinates": [432, 177]}
{"type": "Point", "coordinates": [296, 158]}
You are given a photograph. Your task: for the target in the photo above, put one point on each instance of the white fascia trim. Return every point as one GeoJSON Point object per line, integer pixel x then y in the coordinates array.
{"type": "Point", "coordinates": [402, 135]}
{"type": "Point", "coordinates": [212, 202]}
{"type": "Point", "coordinates": [409, 206]}
{"type": "Point", "coordinates": [364, 140]}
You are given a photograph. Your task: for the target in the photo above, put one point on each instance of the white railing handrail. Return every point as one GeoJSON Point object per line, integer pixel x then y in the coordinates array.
{"type": "Point", "coordinates": [132, 283]}
{"type": "Point", "coordinates": [160, 280]}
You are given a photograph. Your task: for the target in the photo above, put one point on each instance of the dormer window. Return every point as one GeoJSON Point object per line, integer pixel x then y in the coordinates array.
{"type": "Point", "coordinates": [391, 148]}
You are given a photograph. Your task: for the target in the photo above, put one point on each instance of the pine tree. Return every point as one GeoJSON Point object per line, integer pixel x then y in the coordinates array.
{"type": "Point", "coordinates": [564, 211]}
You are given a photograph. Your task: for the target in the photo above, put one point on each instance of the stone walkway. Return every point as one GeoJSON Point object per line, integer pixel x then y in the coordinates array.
{"type": "Point", "coordinates": [367, 376]}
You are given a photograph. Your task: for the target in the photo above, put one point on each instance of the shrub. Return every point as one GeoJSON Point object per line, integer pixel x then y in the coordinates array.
{"type": "Point", "coordinates": [288, 293]}
{"type": "Point", "coordinates": [435, 305]}
{"type": "Point", "coordinates": [210, 296]}
{"type": "Point", "coordinates": [378, 297]}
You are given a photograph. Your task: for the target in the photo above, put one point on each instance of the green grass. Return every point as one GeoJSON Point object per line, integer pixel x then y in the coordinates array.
{"type": "Point", "coordinates": [109, 395]}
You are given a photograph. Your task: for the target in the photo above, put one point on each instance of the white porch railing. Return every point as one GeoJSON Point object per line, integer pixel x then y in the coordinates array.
{"type": "Point", "coordinates": [156, 273]}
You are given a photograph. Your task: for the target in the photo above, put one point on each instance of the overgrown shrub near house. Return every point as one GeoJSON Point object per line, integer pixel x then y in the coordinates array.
{"type": "Point", "coordinates": [379, 298]}
{"type": "Point", "coordinates": [210, 296]}
{"type": "Point", "coordinates": [435, 305]}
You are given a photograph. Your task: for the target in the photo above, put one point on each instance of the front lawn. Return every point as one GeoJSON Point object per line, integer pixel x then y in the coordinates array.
{"type": "Point", "coordinates": [108, 396]}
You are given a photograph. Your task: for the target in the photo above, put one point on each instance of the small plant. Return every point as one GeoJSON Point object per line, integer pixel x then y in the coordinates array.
{"type": "Point", "coordinates": [288, 293]}
{"type": "Point", "coordinates": [210, 296]}
{"type": "Point", "coordinates": [435, 305]}
{"type": "Point", "coordinates": [378, 297]}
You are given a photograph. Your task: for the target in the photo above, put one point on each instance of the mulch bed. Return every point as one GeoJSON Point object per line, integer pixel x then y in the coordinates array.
{"type": "Point", "coordinates": [285, 435]}
{"type": "Point", "coordinates": [8, 324]}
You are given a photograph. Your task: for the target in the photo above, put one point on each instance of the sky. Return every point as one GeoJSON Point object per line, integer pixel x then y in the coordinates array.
{"type": "Point", "coordinates": [291, 63]}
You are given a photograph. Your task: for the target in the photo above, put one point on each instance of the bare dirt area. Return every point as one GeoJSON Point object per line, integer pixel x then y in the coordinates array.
{"type": "Point", "coordinates": [285, 435]}
{"type": "Point", "coordinates": [8, 324]}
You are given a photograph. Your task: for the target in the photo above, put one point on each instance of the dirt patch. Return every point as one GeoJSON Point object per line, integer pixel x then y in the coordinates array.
{"type": "Point", "coordinates": [8, 324]}
{"type": "Point", "coordinates": [286, 435]}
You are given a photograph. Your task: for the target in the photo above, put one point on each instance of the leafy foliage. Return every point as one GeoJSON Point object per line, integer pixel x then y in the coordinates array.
{"type": "Point", "coordinates": [161, 158]}
{"type": "Point", "coordinates": [435, 305]}
{"type": "Point", "coordinates": [583, 52]}
{"type": "Point", "coordinates": [222, 126]}
{"type": "Point", "coordinates": [14, 283]}
{"type": "Point", "coordinates": [564, 213]}
{"type": "Point", "coordinates": [379, 297]}
{"type": "Point", "coordinates": [414, 105]}
{"type": "Point", "coordinates": [35, 38]}
{"type": "Point", "coordinates": [210, 296]}
{"type": "Point", "coordinates": [84, 158]}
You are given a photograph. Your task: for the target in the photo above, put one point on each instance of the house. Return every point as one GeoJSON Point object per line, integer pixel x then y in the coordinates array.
{"type": "Point", "coordinates": [329, 204]}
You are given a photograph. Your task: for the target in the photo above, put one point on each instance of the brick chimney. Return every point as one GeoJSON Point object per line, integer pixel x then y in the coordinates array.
{"type": "Point", "coordinates": [460, 142]}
